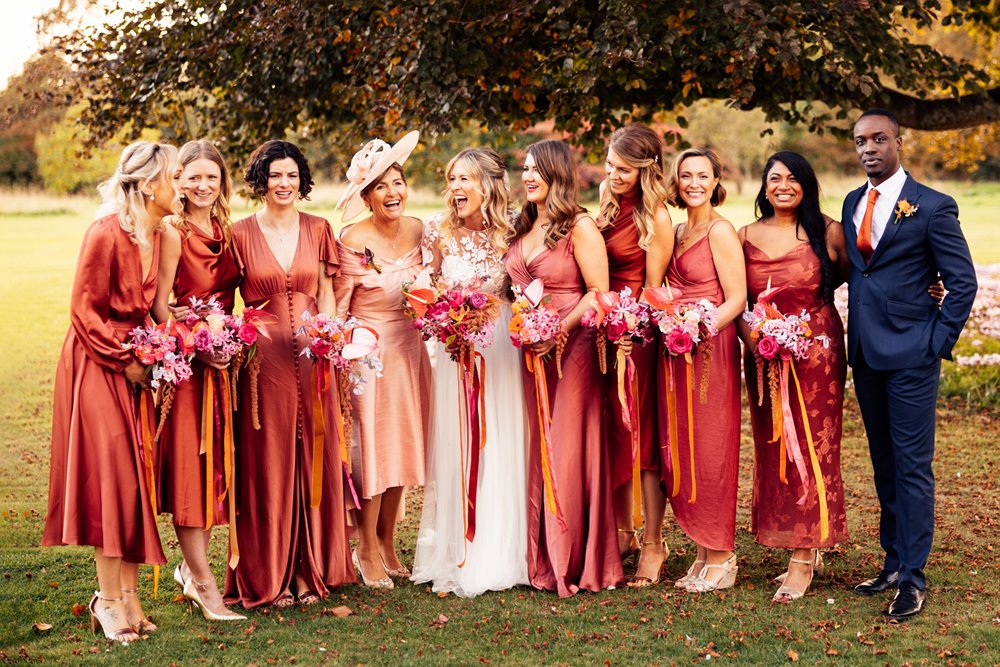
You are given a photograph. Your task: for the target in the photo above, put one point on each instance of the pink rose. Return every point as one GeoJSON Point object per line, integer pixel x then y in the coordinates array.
{"type": "Point", "coordinates": [617, 329]}
{"type": "Point", "coordinates": [767, 347]}
{"type": "Point", "coordinates": [320, 347]}
{"type": "Point", "coordinates": [477, 300]}
{"type": "Point", "coordinates": [248, 334]}
{"type": "Point", "coordinates": [679, 342]}
{"type": "Point", "coordinates": [455, 298]}
{"type": "Point", "coordinates": [203, 339]}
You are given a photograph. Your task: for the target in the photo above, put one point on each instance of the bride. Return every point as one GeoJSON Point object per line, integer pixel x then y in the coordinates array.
{"type": "Point", "coordinates": [469, 241]}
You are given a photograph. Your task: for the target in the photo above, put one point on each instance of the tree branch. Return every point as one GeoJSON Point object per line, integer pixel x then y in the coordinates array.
{"type": "Point", "coordinates": [948, 114]}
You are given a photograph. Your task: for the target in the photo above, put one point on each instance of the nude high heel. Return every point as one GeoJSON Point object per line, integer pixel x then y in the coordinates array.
{"type": "Point", "coordinates": [701, 584]}
{"type": "Point", "coordinates": [144, 626]}
{"type": "Point", "coordinates": [192, 591]}
{"type": "Point", "coordinates": [786, 594]}
{"type": "Point", "coordinates": [100, 625]}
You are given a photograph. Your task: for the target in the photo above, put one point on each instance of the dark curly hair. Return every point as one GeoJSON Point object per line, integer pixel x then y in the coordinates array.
{"type": "Point", "coordinates": [258, 167]}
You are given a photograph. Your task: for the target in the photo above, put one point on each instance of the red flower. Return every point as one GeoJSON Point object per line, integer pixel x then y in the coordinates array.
{"type": "Point", "coordinates": [767, 347]}
{"type": "Point", "coordinates": [617, 329]}
{"type": "Point", "coordinates": [248, 334]}
{"type": "Point", "coordinates": [679, 342]}
{"type": "Point", "coordinates": [321, 347]}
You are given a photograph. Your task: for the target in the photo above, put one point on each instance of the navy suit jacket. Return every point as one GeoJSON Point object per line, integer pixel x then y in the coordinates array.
{"type": "Point", "coordinates": [891, 315]}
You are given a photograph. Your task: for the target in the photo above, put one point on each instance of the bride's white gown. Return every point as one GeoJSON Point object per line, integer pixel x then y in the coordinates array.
{"type": "Point", "coordinates": [497, 558]}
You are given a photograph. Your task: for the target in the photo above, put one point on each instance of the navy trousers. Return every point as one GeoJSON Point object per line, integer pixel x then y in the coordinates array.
{"type": "Point", "coordinates": [898, 408]}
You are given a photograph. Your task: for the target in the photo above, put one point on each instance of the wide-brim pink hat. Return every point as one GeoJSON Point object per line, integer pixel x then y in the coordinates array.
{"type": "Point", "coordinates": [368, 165]}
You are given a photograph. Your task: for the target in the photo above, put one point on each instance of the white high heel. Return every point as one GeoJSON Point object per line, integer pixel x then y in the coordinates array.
{"type": "Point", "coordinates": [701, 584]}
{"type": "Point", "coordinates": [787, 594]}
{"type": "Point", "coordinates": [100, 625]}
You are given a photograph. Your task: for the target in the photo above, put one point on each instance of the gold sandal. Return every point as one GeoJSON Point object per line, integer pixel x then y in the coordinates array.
{"type": "Point", "coordinates": [143, 626]}
{"type": "Point", "coordinates": [786, 594]}
{"type": "Point", "coordinates": [702, 585]}
{"type": "Point", "coordinates": [641, 581]}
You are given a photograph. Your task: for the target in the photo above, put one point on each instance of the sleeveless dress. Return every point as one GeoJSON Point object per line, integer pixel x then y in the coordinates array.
{"type": "Point", "coordinates": [711, 519]}
{"type": "Point", "coordinates": [98, 490]}
{"type": "Point", "coordinates": [279, 534]}
{"type": "Point", "coordinates": [496, 559]}
{"type": "Point", "coordinates": [627, 268]}
{"type": "Point", "coordinates": [392, 417]}
{"type": "Point", "coordinates": [207, 268]}
{"type": "Point", "coordinates": [581, 551]}
{"type": "Point", "coordinates": [776, 517]}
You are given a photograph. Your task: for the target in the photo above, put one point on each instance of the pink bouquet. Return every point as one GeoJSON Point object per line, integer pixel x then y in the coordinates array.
{"type": "Point", "coordinates": [225, 336]}
{"type": "Point", "coordinates": [684, 325]}
{"type": "Point", "coordinates": [463, 318]}
{"type": "Point", "coordinates": [165, 350]}
{"type": "Point", "coordinates": [778, 335]}
{"type": "Point", "coordinates": [534, 319]}
{"type": "Point", "coordinates": [618, 315]}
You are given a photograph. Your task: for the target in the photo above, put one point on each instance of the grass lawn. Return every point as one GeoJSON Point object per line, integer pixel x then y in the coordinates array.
{"type": "Point", "coordinates": [39, 240]}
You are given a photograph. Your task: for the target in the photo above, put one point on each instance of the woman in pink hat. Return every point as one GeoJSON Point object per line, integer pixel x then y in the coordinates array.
{"type": "Point", "coordinates": [391, 417]}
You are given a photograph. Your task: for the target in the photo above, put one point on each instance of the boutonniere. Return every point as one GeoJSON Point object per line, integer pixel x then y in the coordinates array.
{"type": "Point", "coordinates": [369, 261]}
{"type": "Point", "coordinates": [904, 209]}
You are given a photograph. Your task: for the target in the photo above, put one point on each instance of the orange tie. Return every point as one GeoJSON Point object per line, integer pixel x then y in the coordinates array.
{"type": "Point", "coordinates": [865, 232]}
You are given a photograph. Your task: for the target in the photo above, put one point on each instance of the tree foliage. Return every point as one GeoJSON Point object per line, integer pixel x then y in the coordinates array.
{"type": "Point", "coordinates": [247, 70]}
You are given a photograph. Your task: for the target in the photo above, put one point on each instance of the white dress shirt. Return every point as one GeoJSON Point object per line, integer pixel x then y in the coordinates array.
{"type": "Point", "coordinates": [885, 205]}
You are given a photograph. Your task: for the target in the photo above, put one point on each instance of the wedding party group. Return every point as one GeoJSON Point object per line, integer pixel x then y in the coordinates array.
{"type": "Point", "coordinates": [552, 380]}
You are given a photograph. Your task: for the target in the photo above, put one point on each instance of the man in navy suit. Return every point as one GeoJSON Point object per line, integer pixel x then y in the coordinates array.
{"type": "Point", "coordinates": [901, 236]}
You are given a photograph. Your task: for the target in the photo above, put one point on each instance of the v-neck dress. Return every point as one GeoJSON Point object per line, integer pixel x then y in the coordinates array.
{"type": "Point", "coordinates": [280, 536]}
{"type": "Point", "coordinates": [391, 421]}
{"type": "Point", "coordinates": [710, 519]}
{"type": "Point", "coordinates": [98, 491]}
{"type": "Point", "coordinates": [581, 551]}
{"type": "Point", "coordinates": [206, 268]}
{"type": "Point", "coordinates": [777, 517]}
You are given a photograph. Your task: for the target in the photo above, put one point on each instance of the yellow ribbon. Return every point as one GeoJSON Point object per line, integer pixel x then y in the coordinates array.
{"type": "Point", "coordinates": [319, 435]}
{"type": "Point", "coordinates": [824, 513]}
{"type": "Point", "coordinates": [637, 455]}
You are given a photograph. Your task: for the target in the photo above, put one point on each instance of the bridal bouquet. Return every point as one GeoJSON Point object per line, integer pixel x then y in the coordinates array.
{"type": "Point", "coordinates": [165, 349]}
{"type": "Point", "coordinates": [222, 335]}
{"type": "Point", "coordinates": [461, 317]}
{"type": "Point", "coordinates": [618, 316]}
{"type": "Point", "coordinates": [779, 335]}
{"type": "Point", "coordinates": [534, 319]}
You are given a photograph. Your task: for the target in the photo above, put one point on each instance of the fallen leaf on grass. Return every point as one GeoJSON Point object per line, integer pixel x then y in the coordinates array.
{"type": "Point", "coordinates": [179, 598]}
{"type": "Point", "coordinates": [41, 627]}
{"type": "Point", "coordinates": [79, 609]}
{"type": "Point", "coordinates": [793, 655]}
{"type": "Point", "coordinates": [442, 594]}
{"type": "Point", "coordinates": [342, 611]}
{"type": "Point", "coordinates": [439, 622]}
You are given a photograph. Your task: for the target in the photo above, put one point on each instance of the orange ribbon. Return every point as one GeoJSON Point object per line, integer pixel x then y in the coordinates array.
{"type": "Point", "coordinates": [229, 465]}
{"type": "Point", "coordinates": [824, 512]}
{"type": "Point", "coordinates": [345, 452]}
{"type": "Point", "coordinates": [211, 394]}
{"type": "Point", "coordinates": [322, 373]}
{"type": "Point", "coordinates": [146, 408]}
{"type": "Point", "coordinates": [537, 369]}
{"type": "Point", "coordinates": [636, 454]}
{"type": "Point", "coordinates": [674, 435]}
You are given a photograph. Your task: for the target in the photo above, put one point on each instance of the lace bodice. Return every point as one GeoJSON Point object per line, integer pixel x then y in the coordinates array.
{"type": "Point", "coordinates": [467, 257]}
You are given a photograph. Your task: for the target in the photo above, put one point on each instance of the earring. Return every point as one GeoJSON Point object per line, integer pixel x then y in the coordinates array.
{"type": "Point", "coordinates": [152, 197]}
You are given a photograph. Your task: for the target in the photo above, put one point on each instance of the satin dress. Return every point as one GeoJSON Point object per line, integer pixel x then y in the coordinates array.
{"type": "Point", "coordinates": [705, 504]}
{"type": "Point", "coordinates": [391, 420]}
{"type": "Point", "coordinates": [778, 519]}
{"type": "Point", "coordinates": [280, 534]}
{"type": "Point", "coordinates": [627, 268]}
{"type": "Point", "coordinates": [580, 549]}
{"type": "Point", "coordinates": [207, 268]}
{"type": "Point", "coordinates": [98, 489]}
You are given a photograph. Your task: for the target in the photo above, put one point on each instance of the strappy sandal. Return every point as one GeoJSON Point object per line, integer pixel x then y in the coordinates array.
{"type": "Point", "coordinates": [692, 574]}
{"type": "Point", "coordinates": [101, 625]}
{"type": "Point", "coordinates": [701, 584]}
{"type": "Point", "coordinates": [285, 601]}
{"type": "Point", "coordinates": [402, 571]}
{"type": "Point", "coordinates": [143, 626]}
{"type": "Point", "coordinates": [371, 583]}
{"type": "Point", "coordinates": [786, 594]}
{"type": "Point", "coordinates": [632, 547]}
{"type": "Point", "coordinates": [308, 598]}
{"type": "Point", "coordinates": [642, 581]}
{"type": "Point", "coordinates": [819, 567]}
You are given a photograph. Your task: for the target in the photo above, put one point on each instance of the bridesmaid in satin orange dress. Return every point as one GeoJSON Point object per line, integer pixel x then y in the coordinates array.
{"type": "Point", "coordinates": [293, 545]}
{"type": "Point", "coordinates": [639, 239]}
{"type": "Point", "coordinates": [557, 242]}
{"type": "Point", "coordinates": [196, 260]}
{"type": "Point", "coordinates": [98, 490]}
{"type": "Point", "coordinates": [392, 416]}
{"type": "Point", "coordinates": [794, 246]}
{"type": "Point", "coordinates": [707, 263]}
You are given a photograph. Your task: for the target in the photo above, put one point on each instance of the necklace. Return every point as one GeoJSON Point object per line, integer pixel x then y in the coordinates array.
{"type": "Point", "coordinates": [282, 235]}
{"type": "Point", "coordinates": [399, 226]}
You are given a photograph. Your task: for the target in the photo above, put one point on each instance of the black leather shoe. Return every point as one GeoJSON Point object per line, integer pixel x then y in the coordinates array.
{"type": "Point", "coordinates": [883, 582]}
{"type": "Point", "coordinates": [909, 601]}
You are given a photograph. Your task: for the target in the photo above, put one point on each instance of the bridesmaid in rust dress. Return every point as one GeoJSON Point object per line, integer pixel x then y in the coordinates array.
{"type": "Point", "coordinates": [795, 247]}
{"type": "Point", "coordinates": [639, 239]}
{"type": "Point", "coordinates": [556, 241]}
{"type": "Point", "coordinates": [707, 264]}
{"type": "Point", "coordinates": [99, 493]}
{"type": "Point", "coordinates": [392, 416]}
{"type": "Point", "coordinates": [291, 524]}
{"type": "Point", "coordinates": [196, 260]}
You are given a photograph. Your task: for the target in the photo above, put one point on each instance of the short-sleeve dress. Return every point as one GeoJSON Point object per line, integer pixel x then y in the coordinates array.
{"type": "Point", "coordinates": [99, 493]}
{"type": "Point", "coordinates": [280, 534]}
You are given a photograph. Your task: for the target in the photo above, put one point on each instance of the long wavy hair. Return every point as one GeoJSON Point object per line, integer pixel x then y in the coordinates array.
{"type": "Point", "coordinates": [204, 150]}
{"type": "Point", "coordinates": [673, 187]}
{"type": "Point", "coordinates": [141, 163]}
{"type": "Point", "coordinates": [557, 168]}
{"type": "Point", "coordinates": [809, 216]}
{"type": "Point", "coordinates": [492, 183]}
{"type": "Point", "coordinates": [640, 148]}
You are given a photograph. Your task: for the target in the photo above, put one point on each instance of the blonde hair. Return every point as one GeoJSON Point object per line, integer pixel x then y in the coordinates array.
{"type": "Point", "coordinates": [141, 163]}
{"type": "Point", "coordinates": [673, 190]}
{"type": "Point", "coordinates": [640, 148]}
{"type": "Point", "coordinates": [490, 173]}
{"type": "Point", "coordinates": [557, 168]}
{"type": "Point", "coordinates": [204, 150]}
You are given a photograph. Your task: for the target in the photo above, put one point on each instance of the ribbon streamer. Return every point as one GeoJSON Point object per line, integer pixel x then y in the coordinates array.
{"type": "Point", "coordinates": [537, 368]}
{"type": "Point", "coordinates": [146, 408]}
{"type": "Point", "coordinates": [673, 461]}
{"type": "Point", "coordinates": [339, 406]}
{"type": "Point", "coordinates": [322, 373]}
